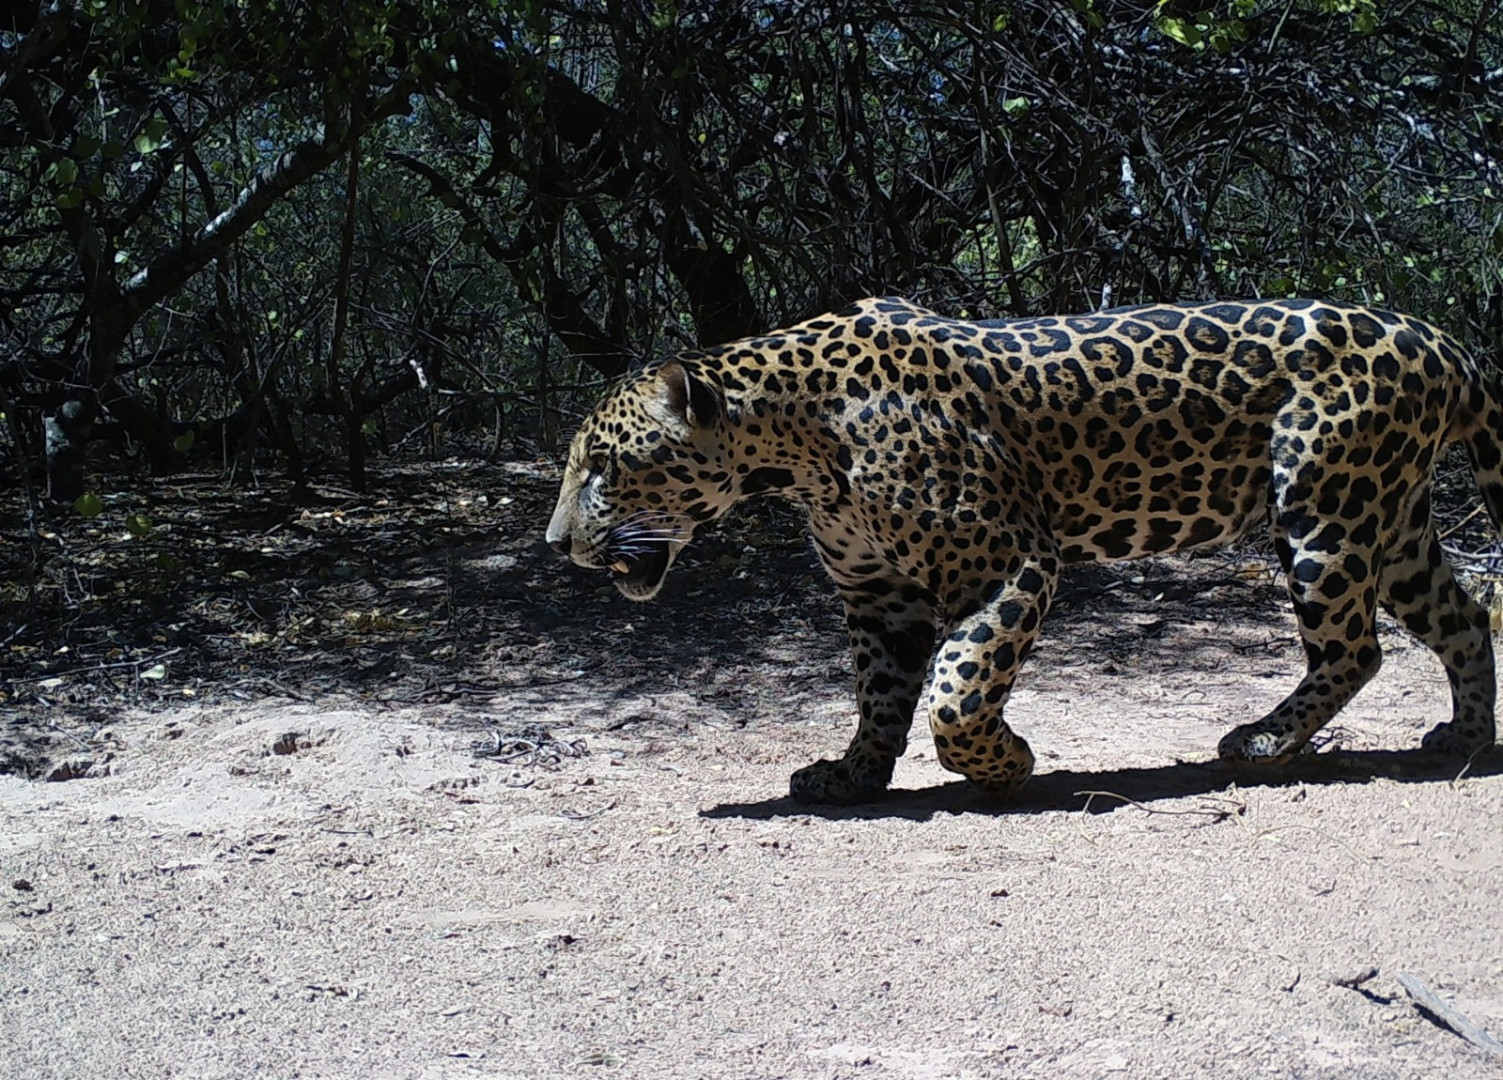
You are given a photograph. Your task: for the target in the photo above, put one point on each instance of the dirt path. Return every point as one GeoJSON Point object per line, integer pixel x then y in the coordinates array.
{"type": "Point", "coordinates": [335, 888]}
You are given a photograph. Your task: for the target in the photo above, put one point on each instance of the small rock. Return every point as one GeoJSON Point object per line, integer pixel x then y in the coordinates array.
{"type": "Point", "coordinates": [288, 743]}
{"type": "Point", "coordinates": [71, 769]}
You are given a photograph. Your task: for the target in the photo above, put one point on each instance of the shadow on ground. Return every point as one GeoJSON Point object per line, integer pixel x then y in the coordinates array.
{"type": "Point", "coordinates": [435, 588]}
{"type": "Point", "coordinates": [1100, 791]}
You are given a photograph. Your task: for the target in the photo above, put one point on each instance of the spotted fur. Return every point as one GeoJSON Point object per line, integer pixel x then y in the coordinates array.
{"type": "Point", "coordinates": [951, 468]}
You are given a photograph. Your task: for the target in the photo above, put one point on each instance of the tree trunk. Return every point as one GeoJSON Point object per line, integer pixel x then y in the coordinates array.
{"type": "Point", "coordinates": [346, 405]}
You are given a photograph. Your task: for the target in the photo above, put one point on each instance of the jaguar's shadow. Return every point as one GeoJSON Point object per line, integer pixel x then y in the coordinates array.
{"type": "Point", "coordinates": [1112, 789]}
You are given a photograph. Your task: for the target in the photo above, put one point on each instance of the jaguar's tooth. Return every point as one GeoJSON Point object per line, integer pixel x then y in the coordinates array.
{"type": "Point", "coordinates": [621, 566]}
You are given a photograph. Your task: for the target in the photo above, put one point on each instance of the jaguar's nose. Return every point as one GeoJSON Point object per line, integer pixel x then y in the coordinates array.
{"type": "Point", "coordinates": [561, 545]}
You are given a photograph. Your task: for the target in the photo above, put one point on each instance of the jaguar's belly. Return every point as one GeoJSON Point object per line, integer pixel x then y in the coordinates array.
{"type": "Point", "coordinates": [1200, 507]}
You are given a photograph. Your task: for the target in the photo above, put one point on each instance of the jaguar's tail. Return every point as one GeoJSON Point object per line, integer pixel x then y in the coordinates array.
{"type": "Point", "coordinates": [1484, 441]}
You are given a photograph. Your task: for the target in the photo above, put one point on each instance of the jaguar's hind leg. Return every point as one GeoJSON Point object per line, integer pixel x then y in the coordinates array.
{"type": "Point", "coordinates": [1416, 587]}
{"type": "Point", "coordinates": [1334, 587]}
{"type": "Point", "coordinates": [974, 669]}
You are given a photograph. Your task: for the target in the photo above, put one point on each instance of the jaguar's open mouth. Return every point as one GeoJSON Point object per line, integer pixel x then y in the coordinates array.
{"type": "Point", "coordinates": [639, 574]}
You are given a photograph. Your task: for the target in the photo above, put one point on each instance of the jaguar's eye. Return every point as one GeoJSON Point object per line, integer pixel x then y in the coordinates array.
{"type": "Point", "coordinates": [596, 464]}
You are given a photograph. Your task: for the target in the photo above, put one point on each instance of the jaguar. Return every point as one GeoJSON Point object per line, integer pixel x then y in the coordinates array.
{"type": "Point", "coordinates": [951, 468]}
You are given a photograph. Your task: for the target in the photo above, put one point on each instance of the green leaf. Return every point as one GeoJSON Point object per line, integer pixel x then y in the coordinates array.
{"type": "Point", "coordinates": [1180, 30]}
{"type": "Point", "coordinates": [67, 200]}
{"type": "Point", "coordinates": [155, 672]}
{"type": "Point", "coordinates": [1015, 106]}
{"type": "Point", "coordinates": [138, 525]}
{"type": "Point", "coordinates": [89, 505]}
{"type": "Point", "coordinates": [184, 442]}
{"type": "Point", "coordinates": [63, 172]}
{"type": "Point", "coordinates": [152, 136]}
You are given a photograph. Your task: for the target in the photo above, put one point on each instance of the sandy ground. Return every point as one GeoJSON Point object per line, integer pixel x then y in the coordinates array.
{"type": "Point", "coordinates": [592, 874]}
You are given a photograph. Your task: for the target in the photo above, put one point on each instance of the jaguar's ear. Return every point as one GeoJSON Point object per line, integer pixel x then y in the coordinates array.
{"type": "Point", "coordinates": [688, 398]}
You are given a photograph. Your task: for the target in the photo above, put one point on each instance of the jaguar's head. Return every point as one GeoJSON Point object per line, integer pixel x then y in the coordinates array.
{"type": "Point", "coordinates": [647, 467]}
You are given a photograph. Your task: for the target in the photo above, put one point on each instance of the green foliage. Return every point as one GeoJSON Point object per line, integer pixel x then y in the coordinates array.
{"type": "Point", "coordinates": [153, 133]}
{"type": "Point", "coordinates": [1223, 28]}
{"type": "Point", "coordinates": [1220, 31]}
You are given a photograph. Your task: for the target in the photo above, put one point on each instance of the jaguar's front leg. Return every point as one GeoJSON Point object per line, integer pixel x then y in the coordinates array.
{"type": "Point", "coordinates": [891, 626]}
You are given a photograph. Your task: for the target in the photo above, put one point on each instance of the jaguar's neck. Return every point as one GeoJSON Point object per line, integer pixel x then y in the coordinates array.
{"type": "Point", "coordinates": [785, 409]}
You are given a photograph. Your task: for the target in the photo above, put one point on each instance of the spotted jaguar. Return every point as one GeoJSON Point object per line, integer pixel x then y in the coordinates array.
{"type": "Point", "coordinates": [950, 469]}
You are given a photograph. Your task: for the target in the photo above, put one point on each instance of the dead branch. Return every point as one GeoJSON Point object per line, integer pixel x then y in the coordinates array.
{"type": "Point", "coordinates": [1429, 1002]}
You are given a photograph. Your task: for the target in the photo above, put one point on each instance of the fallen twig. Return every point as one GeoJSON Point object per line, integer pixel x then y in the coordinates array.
{"type": "Point", "coordinates": [1429, 1002]}
{"type": "Point", "coordinates": [1356, 856]}
{"type": "Point", "coordinates": [92, 668]}
{"type": "Point", "coordinates": [583, 815]}
{"type": "Point", "coordinates": [1216, 813]}
{"type": "Point", "coordinates": [278, 688]}
{"type": "Point", "coordinates": [1267, 646]}
{"type": "Point", "coordinates": [1352, 982]}
{"type": "Point", "coordinates": [531, 744]}
{"type": "Point", "coordinates": [69, 735]}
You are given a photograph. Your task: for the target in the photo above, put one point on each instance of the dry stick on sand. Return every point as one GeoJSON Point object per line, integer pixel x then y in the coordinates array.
{"type": "Point", "coordinates": [1426, 998]}
{"type": "Point", "coordinates": [1233, 808]}
{"type": "Point", "coordinates": [1353, 982]}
